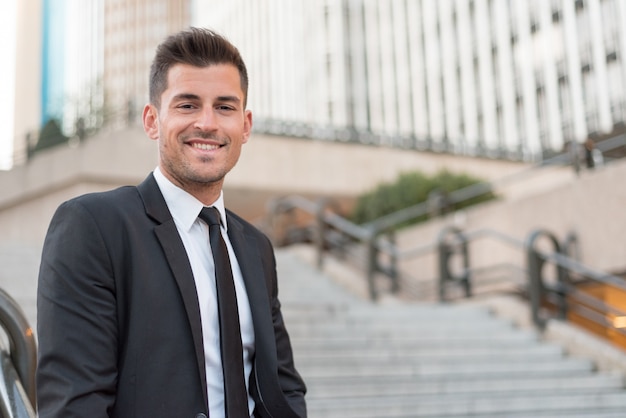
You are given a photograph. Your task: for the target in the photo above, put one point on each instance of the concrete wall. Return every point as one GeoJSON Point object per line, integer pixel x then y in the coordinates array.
{"type": "Point", "coordinates": [592, 206]}
{"type": "Point", "coordinates": [269, 167]}
{"type": "Point", "coordinates": [27, 88]}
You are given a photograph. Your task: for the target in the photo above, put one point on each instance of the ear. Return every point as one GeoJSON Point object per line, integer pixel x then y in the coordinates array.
{"type": "Point", "coordinates": [151, 121]}
{"type": "Point", "coordinates": [247, 126]}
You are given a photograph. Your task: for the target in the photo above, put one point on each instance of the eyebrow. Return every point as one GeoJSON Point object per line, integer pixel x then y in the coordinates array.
{"type": "Point", "coordinates": [228, 99]}
{"type": "Point", "coordinates": [186, 96]}
{"type": "Point", "coordinates": [191, 96]}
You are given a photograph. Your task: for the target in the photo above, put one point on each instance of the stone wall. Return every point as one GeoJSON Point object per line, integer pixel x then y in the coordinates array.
{"type": "Point", "coordinates": [269, 167]}
{"type": "Point", "coordinates": [592, 206]}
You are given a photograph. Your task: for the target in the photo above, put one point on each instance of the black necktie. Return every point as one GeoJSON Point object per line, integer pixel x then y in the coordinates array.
{"type": "Point", "coordinates": [235, 393]}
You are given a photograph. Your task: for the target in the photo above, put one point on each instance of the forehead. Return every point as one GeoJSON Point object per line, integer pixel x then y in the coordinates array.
{"type": "Point", "coordinates": [201, 79]}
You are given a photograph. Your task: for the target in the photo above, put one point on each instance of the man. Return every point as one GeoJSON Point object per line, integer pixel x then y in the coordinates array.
{"type": "Point", "coordinates": [128, 318]}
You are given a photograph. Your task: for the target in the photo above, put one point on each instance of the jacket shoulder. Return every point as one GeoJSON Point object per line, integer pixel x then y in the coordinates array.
{"type": "Point", "coordinates": [109, 200]}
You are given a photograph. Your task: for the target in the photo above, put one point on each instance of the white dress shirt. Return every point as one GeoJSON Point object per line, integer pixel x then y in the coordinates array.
{"type": "Point", "coordinates": [195, 236]}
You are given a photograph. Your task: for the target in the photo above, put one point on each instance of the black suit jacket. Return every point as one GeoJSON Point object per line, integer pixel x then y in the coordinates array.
{"type": "Point", "coordinates": [119, 320]}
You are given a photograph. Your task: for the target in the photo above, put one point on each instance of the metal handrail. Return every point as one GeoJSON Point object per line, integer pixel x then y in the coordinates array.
{"type": "Point", "coordinates": [453, 241]}
{"type": "Point", "coordinates": [325, 220]}
{"type": "Point", "coordinates": [564, 294]}
{"type": "Point", "coordinates": [18, 365]}
{"type": "Point", "coordinates": [377, 239]}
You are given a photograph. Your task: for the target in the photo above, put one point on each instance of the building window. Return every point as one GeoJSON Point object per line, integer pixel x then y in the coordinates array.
{"type": "Point", "coordinates": [534, 26]}
{"type": "Point", "coordinates": [611, 56]}
{"type": "Point", "coordinates": [580, 4]}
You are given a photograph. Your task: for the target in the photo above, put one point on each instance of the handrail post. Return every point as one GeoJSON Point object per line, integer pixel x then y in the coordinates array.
{"type": "Point", "coordinates": [465, 279]}
{"type": "Point", "coordinates": [537, 286]}
{"type": "Point", "coordinates": [445, 253]}
{"type": "Point", "coordinates": [320, 232]}
{"type": "Point", "coordinates": [393, 264]}
{"type": "Point", "coordinates": [371, 259]}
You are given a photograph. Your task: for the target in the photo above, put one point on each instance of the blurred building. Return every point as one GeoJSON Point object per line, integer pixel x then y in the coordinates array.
{"type": "Point", "coordinates": [27, 102]}
{"type": "Point", "coordinates": [132, 31]}
{"type": "Point", "coordinates": [69, 57]}
{"type": "Point", "coordinates": [84, 64]}
{"type": "Point", "coordinates": [500, 78]}
{"type": "Point", "coordinates": [71, 68]}
{"type": "Point", "coordinates": [513, 79]}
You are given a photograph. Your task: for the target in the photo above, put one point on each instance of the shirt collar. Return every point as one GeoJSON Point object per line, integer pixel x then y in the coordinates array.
{"type": "Point", "coordinates": [183, 206]}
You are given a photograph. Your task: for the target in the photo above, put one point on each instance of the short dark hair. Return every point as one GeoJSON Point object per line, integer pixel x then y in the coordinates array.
{"type": "Point", "coordinates": [199, 47]}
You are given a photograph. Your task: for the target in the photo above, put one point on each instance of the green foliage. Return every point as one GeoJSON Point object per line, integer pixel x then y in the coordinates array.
{"type": "Point", "coordinates": [413, 188]}
{"type": "Point", "coordinates": [50, 136]}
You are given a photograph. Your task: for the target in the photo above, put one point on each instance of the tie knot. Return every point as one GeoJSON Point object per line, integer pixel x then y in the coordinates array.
{"type": "Point", "coordinates": [210, 215]}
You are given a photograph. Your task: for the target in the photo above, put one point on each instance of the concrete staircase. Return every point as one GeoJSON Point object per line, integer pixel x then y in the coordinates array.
{"type": "Point", "coordinates": [427, 360]}
{"type": "Point", "coordinates": [394, 359]}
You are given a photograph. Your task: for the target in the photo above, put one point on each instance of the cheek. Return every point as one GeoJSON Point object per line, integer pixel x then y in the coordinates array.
{"type": "Point", "coordinates": [236, 152]}
{"type": "Point", "coordinates": [167, 137]}
{"type": "Point", "coordinates": [171, 125]}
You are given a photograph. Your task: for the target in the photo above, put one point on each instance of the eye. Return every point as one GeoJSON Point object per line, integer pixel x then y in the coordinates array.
{"type": "Point", "coordinates": [186, 107]}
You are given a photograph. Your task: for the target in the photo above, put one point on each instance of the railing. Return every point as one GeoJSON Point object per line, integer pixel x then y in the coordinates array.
{"type": "Point", "coordinates": [330, 230]}
{"type": "Point", "coordinates": [378, 255]}
{"type": "Point", "coordinates": [18, 364]}
{"type": "Point", "coordinates": [559, 297]}
{"type": "Point", "coordinates": [103, 118]}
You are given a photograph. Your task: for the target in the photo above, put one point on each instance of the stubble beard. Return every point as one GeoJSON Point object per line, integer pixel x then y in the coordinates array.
{"type": "Point", "coordinates": [190, 177]}
{"type": "Point", "coordinates": [183, 173]}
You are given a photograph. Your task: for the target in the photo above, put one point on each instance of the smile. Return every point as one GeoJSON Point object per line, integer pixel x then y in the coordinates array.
{"type": "Point", "coordinates": [205, 147]}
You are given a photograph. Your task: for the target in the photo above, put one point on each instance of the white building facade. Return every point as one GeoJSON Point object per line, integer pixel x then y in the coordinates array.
{"type": "Point", "coordinates": [502, 78]}
{"type": "Point", "coordinates": [132, 29]}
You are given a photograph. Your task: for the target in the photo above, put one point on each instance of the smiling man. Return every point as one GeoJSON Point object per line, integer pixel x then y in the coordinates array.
{"type": "Point", "coordinates": [154, 300]}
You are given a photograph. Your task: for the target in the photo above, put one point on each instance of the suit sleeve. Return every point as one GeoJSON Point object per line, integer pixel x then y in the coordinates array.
{"type": "Point", "coordinates": [76, 319]}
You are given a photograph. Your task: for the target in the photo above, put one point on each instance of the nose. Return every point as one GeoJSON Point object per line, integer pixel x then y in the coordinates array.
{"type": "Point", "coordinates": [206, 120]}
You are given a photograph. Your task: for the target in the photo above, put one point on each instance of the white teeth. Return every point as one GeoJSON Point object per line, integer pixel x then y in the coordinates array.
{"type": "Point", "coordinates": [205, 146]}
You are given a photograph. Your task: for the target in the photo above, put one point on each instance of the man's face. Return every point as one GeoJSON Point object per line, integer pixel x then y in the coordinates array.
{"type": "Point", "coordinates": [200, 126]}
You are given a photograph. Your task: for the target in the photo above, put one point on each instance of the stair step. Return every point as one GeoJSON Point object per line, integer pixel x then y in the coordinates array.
{"type": "Point", "coordinates": [338, 387]}
{"type": "Point", "coordinates": [566, 367]}
{"type": "Point", "coordinates": [318, 312]}
{"type": "Point", "coordinates": [417, 342]}
{"type": "Point", "coordinates": [362, 353]}
{"type": "Point", "coordinates": [406, 357]}
{"type": "Point", "coordinates": [441, 327]}
{"type": "Point", "coordinates": [394, 359]}
{"type": "Point", "coordinates": [400, 406]}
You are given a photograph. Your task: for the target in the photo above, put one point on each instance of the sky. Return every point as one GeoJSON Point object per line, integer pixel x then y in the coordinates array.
{"type": "Point", "coordinates": [8, 17]}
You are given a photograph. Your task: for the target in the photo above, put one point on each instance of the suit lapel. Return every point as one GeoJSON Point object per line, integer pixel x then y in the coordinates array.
{"type": "Point", "coordinates": [259, 291]}
{"type": "Point", "coordinates": [251, 264]}
{"type": "Point", "coordinates": [174, 250]}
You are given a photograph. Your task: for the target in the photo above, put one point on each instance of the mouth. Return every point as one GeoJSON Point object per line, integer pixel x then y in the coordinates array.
{"type": "Point", "coordinates": [205, 147]}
